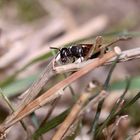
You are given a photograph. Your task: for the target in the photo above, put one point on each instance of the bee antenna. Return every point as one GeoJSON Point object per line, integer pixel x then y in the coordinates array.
{"type": "Point", "coordinates": [55, 48]}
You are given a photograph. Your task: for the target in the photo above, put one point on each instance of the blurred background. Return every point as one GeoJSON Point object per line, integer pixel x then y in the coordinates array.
{"type": "Point", "coordinates": [29, 27]}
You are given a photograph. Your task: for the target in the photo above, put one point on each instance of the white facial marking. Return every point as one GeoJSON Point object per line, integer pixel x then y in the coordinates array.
{"type": "Point", "coordinates": [82, 58]}
{"type": "Point", "coordinates": [79, 60]}
{"type": "Point", "coordinates": [58, 57]}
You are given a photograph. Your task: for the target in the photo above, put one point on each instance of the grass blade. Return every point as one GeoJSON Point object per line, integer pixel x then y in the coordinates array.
{"type": "Point", "coordinates": [51, 124]}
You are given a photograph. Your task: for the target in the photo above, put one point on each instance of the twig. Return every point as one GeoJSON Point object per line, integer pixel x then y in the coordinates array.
{"type": "Point", "coordinates": [53, 93]}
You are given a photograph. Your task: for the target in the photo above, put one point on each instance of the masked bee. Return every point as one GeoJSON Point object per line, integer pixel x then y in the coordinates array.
{"type": "Point", "coordinates": [84, 51]}
{"type": "Point", "coordinates": [73, 52]}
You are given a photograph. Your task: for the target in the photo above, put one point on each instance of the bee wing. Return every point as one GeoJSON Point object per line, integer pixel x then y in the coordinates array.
{"type": "Point", "coordinates": [88, 50]}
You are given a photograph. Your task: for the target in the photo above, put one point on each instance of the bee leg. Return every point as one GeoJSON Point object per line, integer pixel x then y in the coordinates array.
{"type": "Point", "coordinates": [55, 59]}
{"type": "Point", "coordinates": [82, 59]}
{"type": "Point", "coordinates": [79, 60]}
{"type": "Point", "coordinates": [53, 63]}
{"type": "Point", "coordinates": [73, 59]}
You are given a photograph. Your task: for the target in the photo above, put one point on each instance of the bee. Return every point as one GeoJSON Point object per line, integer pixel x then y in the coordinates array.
{"type": "Point", "coordinates": [78, 51]}
{"type": "Point", "coordinates": [84, 51]}
{"type": "Point", "coordinates": [73, 52]}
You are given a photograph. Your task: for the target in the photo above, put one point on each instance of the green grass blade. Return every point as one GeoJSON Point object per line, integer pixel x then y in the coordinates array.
{"type": "Point", "coordinates": [131, 102]}
{"type": "Point", "coordinates": [51, 124]}
{"type": "Point", "coordinates": [98, 112]}
{"type": "Point", "coordinates": [19, 85]}
{"type": "Point", "coordinates": [119, 85]}
{"type": "Point", "coordinates": [106, 84]}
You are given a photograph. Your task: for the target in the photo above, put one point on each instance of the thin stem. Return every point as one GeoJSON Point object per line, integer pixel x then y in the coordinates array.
{"type": "Point", "coordinates": [12, 108]}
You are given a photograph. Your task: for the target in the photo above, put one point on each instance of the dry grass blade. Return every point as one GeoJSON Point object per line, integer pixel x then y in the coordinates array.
{"type": "Point", "coordinates": [98, 44]}
{"type": "Point", "coordinates": [53, 93]}
{"type": "Point", "coordinates": [71, 117]}
{"type": "Point", "coordinates": [117, 40]}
